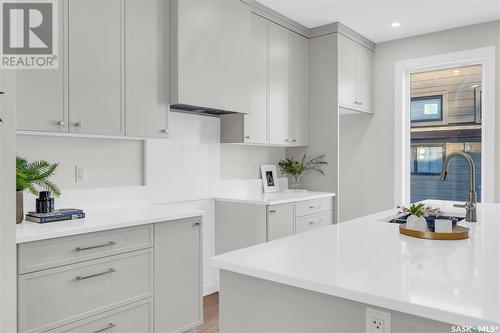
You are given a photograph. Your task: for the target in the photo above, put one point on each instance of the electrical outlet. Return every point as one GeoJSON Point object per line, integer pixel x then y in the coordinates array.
{"type": "Point", "coordinates": [80, 174]}
{"type": "Point", "coordinates": [377, 321]}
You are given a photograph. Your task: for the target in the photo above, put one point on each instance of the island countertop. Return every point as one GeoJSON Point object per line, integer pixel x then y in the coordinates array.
{"type": "Point", "coordinates": [368, 261]}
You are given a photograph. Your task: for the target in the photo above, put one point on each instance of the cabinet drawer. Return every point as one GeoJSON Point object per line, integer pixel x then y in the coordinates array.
{"type": "Point", "coordinates": [313, 206]}
{"type": "Point", "coordinates": [35, 256]}
{"type": "Point", "coordinates": [134, 318]}
{"type": "Point", "coordinates": [311, 222]}
{"type": "Point", "coordinates": [58, 296]}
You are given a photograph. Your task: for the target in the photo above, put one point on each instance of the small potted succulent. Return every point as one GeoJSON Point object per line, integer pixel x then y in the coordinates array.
{"type": "Point", "coordinates": [294, 169]}
{"type": "Point", "coordinates": [30, 177]}
{"type": "Point", "coordinates": [416, 215]}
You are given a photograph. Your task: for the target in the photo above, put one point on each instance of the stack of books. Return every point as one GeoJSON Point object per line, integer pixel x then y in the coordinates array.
{"type": "Point", "coordinates": [55, 216]}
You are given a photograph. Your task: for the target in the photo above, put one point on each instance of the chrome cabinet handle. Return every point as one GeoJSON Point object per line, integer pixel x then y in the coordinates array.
{"type": "Point", "coordinates": [61, 123]}
{"type": "Point", "coordinates": [197, 224]}
{"type": "Point", "coordinates": [110, 325]}
{"type": "Point", "coordinates": [315, 222]}
{"type": "Point", "coordinates": [360, 103]}
{"type": "Point", "coordinates": [311, 207]}
{"type": "Point", "coordinates": [164, 131]}
{"type": "Point", "coordinates": [272, 211]}
{"type": "Point", "coordinates": [247, 137]}
{"type": "Point", "coordinates": [85, 277]}
{"type": "Point", "coordinates": [95, 246]}
{"type": "Point", "coordinates": [294, 140]}
{"type": "Point", "coordinates": [78, 124]}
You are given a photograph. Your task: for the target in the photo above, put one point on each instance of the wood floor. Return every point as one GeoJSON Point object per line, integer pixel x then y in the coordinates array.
{"type": "Point", "coordinates": [210, 314]}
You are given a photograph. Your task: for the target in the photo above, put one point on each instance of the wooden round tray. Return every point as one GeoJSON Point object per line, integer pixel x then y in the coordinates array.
{"type": "Point", "coordinates": [459, 232]}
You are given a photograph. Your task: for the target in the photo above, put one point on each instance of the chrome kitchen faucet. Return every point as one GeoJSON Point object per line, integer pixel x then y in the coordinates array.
{"type": "Point", "coordinates": [470, 204]}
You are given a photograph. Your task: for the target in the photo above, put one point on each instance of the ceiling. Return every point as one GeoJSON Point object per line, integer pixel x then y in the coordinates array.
{"type": "Point", "coordinates": [373, 18]}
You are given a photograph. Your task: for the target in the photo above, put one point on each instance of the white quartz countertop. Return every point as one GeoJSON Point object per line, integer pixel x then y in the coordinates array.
{"type": "Point", "coordinates": [275, 198]}
{"type": "Point", "coordinates": [102, 219]}
{"type": "Point", "coordinates": [368, 261]}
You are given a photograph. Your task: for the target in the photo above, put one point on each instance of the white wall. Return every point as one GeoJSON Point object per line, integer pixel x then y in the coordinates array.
{"type": "Point", "coordinates": [239, 162]}
{"type": "Point", "coordinates": [184, 170]}
{"type": "Point", "coordinates": [366, 144]}
{"type": "Point", "coordinates": [107, 162]}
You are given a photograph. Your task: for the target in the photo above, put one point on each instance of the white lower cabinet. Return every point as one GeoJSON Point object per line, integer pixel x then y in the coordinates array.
{"type": "Point", "coordinates": [243, 224]}
{"type": "Point", "coordinates": [134, 318]}
{"type": "Point", "coordinates": [120, 287]}
{"type": "Point", "coordinates": [279, 221]}
{"type": "Point", "coordinates": [178, 293]}
{"type": "Point", "coordinates": [311, 222]}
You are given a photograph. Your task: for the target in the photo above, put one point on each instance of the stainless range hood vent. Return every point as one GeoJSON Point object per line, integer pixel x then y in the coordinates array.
{"type": "Point", "coordinates": [200, 110]}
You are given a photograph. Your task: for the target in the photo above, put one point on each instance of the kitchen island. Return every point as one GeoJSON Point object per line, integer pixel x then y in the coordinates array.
{"type": "Point", "coordinates": [325, 279]}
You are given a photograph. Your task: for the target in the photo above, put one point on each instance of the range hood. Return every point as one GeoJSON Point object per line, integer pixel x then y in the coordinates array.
{"type": "Point", "coordinates": [200, 110]}
{"type": "Point", "coordinates": [210, 67]}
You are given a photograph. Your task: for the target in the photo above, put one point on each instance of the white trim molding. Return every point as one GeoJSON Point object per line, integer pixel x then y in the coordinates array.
{"type": "Point", "coordinates": [403, 69]}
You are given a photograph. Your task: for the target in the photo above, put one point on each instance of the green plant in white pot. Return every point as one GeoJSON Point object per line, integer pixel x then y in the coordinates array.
{"type": "Point", "coordinates": [418, 211]}
{"type": "Point", "coordinates": [294, 169]}
{"type": "Point", "coordinates": [31, 177]}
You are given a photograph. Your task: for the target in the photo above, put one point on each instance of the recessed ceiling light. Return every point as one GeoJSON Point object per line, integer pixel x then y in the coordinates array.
{"type": "Point", "coordinates": [395, 24]}
{"type": "Point", "coordinates": [456, 72]}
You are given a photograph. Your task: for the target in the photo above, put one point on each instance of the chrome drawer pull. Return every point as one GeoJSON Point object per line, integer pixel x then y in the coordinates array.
{"type": "Point", "coordinates": [95, 246]}
{"type": "Point", "coordinates": [110, 325]}
{"type": "Point", "coordinates": [111, 270]}
{"type": "Point", "coordinates": [315, 222]}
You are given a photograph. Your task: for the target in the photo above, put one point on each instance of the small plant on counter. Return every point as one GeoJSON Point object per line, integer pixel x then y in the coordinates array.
{"type": "Point", "coordinates": [33, 177]}
{"type": "Point", "coordinates": [420, 210]}
{"type": "Point", "coordinates": [29, 176]}
{"type": "Point", "coordinates": [295, 169]}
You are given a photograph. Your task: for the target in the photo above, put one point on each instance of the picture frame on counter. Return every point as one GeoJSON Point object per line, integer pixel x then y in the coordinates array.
{"type": "Point", "coordinates": [269, 178]}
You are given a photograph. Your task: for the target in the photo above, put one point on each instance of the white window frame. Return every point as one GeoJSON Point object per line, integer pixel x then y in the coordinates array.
{"type": "Point", "coordinates": [403, 69]}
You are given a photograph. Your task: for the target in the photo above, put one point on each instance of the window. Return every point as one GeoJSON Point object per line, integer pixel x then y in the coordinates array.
{"type": "Point", "coordinates": [445, 117]}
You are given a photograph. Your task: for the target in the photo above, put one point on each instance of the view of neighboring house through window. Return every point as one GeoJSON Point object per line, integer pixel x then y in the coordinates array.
{"type": "Point", "coordinates": [445, 117]}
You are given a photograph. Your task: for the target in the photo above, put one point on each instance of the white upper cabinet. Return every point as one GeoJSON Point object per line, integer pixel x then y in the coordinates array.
{"type": "Point", "coordinates": [279, 89]}
{"type": "Point", "coordinates": [355, 67]}
{"type": "Point", "coordinates": [95, 67]}
{"type": "Point", "coordinates": [210, 50]}
{"type": "Point", "coordinates": [279, 57]}
{"type": "Point", "coordinates": [146, 67]}
{"type": "Point", "coordinates": [39, 93]}
{"type": "Point", "coordinates": [298, 89]}
{"type": "Point", "coordinates": [364, 67]}
{"type": "Point", "coordinates": [255, 123]}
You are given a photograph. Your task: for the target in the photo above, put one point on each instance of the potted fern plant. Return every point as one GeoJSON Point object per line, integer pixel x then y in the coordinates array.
{"type": "Point", "coordinates": [31, 177]}
{"type": "Point", "coordinates": [294, 169]}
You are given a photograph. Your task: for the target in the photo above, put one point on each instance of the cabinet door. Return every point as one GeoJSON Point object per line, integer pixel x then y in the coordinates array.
{"type": "Point", "coordinates": [256, 121]}
{"type": "Point", "coordinates": [280, 221]}
{"type": "Point", "coordinates": [178, 281]}
{"type": "Point", "coordinates": [146, 67]}
{"type": "Point", "coordinates": [40, 93]}
{"type": "Point", "coordinates": [299, 73]}
{"type": "Point", "coordinates": [364, 64]}
{"type": "Point", "coordinates": [95, 66]}
{"type": "Point", "coordinates": [347, 72]}
{"type": "Point", "coordinates": [278, 84]}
